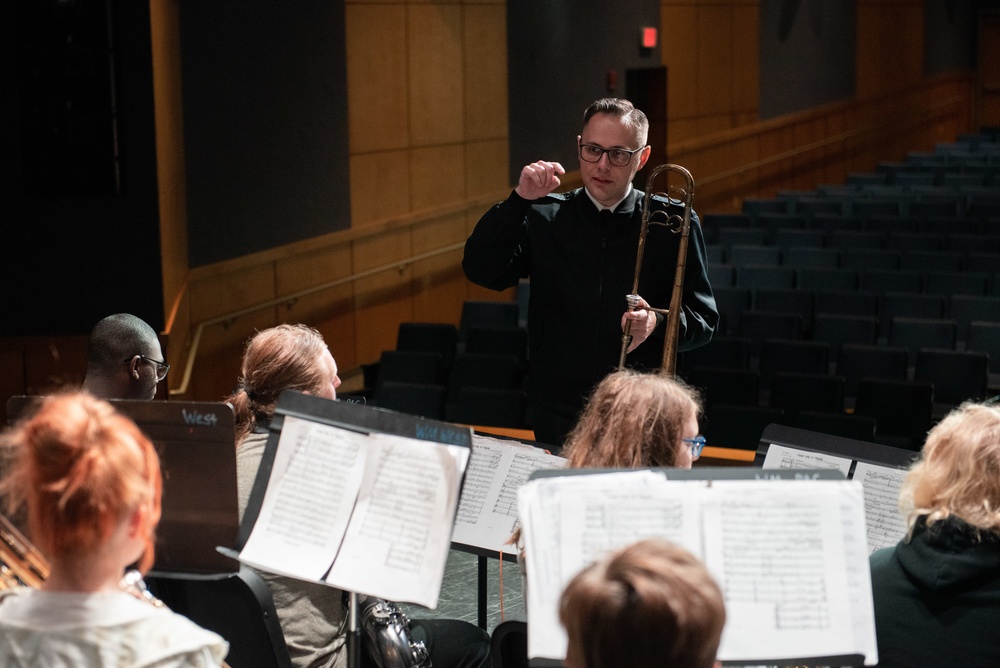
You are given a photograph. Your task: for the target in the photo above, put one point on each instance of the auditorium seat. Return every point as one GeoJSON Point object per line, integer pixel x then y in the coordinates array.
{"type": "Point", "coordinates": [916, 333]}
{"type": "Point", "coordinates": [964, 309]}
{"type": "Point", "coordinates": [491, 407]}
{"type": "Point", "coordinates": [903, 410]}
{"type": "Point", "coordinates": [721, 385]}
{"type": "Point", "coordinates": [746, 254]}
{"type": "Point", "coordinates": [794, 392]}
{"type": "Point", "coordinates": [486, 314]}
{"type": "Point", "coordinates": [985, 337]}
{"type": "Point", "coordinates": [836, 330]}
{"type": "Point", "coordinates": [957, 376]}
{"type": "Point", "coordinates": [731, 302]}
{"type": "Point", "coordinates": [765, 276]}
{"type": "Point", "coordinates": [916, 260]}
{"type": "Point", "coordinates": [811, 257]}
{"type": "Point", "coordinates": [760, 325]}
{"type": "Point", "coordinates": [432, 337]}
{"type": "Point", "coordinates": [781, 355]}
{"type": "Point", "coordinates": [817, 279]}
{"type": "Point", "coordinates": [481, 371]}
{"type": "Point", "coordinates": [864, 259]}
{"type": "Point", "coordinates": [859, 361]}
{"type": "Point", "coordinates": [409, 366]}
{"type": "Point", "coordinates": [845, 425]}
{"type": "Point", "coordinates": [420, 399]}
{"type": "Point", "coordinates": [802, 302]}
{"type": "Point", "coordinates": [955, 283]}
{"type": "Point", "coordinates": [909, 305]}
{"type": "Point", "coordinates": [722, 351]}
{"type": "Point", "coordinates": [845, 302]}
{"type": "Point", "coordinates": [889, 280]}
{"type": "Point", "coordinates": [737, 427]}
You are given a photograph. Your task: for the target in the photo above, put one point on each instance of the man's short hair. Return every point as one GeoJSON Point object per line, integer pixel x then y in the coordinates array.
{"type": "Point", "coordinates": [117, 338]}
{"type": "Point", "coordinates": [623, 109]}
{"type": "Point", "coordinates": [649, 605]}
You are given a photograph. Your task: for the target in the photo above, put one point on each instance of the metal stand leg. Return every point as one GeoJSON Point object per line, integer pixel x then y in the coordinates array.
{"type": "Point", "coordinates": [482, 592]}
{"type": "Point", "coordinates": [354, 648]}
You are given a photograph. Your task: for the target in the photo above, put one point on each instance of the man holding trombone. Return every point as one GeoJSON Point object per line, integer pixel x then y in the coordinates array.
{"type": "Point", "coordinates": [580, 250]}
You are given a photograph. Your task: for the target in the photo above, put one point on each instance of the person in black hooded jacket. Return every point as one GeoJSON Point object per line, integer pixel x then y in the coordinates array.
{"type": "Point", "coordinates": [937, 593]}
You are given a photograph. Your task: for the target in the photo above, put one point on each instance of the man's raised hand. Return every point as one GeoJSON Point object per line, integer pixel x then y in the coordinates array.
{"type": "Point", "coordinates": [539, 179]}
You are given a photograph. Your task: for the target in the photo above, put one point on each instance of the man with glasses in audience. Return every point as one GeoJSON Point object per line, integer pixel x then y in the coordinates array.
{"type": "Point", "coordinates": [124, 359]}
{"type": "Point", "coordinates": [579, 249]}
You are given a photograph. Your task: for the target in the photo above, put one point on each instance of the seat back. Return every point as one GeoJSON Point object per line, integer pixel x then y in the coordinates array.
{"type": "Point", "coordinates": [509, 645]}
{"type": "Point", "coordinates": [957, 375]}
{"type": "Point", "coordinates": [237, 606]}
{"type": "Point", "coordinates": [903, 410]}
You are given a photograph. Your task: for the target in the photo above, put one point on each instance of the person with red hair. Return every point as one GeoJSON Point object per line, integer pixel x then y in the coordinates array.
{"type": "Point", "coordinates": [91, 483]}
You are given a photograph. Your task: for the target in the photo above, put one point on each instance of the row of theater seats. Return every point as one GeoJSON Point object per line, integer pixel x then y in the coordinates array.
{"type": "Point", "coordinates": [472, 374]}
{"type": "Point", "coordinates": [866, 309]}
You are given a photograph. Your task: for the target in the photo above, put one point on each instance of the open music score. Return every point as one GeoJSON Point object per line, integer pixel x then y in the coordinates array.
{"type": "Point", "coordinates": [487, 510]}
{"type": "Point", "coordinates": [885, 525]}
{"type": "Point", "coordinates": [368, 513]}
{"type": "Point", "coordinates": [790, 556]}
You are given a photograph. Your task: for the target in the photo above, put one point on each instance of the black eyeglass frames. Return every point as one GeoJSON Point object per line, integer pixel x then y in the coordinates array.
{"type": "Point", "coordinates": [619, 157]}
{"type": "Point", "coordinates": [161, 367]}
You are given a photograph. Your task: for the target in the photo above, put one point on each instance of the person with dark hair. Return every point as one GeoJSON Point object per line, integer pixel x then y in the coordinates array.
{"type": "Point", "coordinates": [579, 249]}
{"type": "Point", "coordinates": [637, 420]}
{"type": "Point", "coordinates": [313, 616]}
{"type": "Point", "coordinates": [937, 592]}
{"type": "Point", "coordinates": [91, 483]}
{"type": "Point", "coordinates": [124, 359]}
{"type": "Point", "coordinates": [650, 605]}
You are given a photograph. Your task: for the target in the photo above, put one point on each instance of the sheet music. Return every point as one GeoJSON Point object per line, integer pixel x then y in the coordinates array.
{"type": "Point", "coordinates": [859, 581]}
{"type": "Point", "coordinates": [781, 457]}
{"type": "Point", "coordinates": [315, 479]}
{"type": "Point", "coordinates": [397, 540]}
{"type": "Point", "coordinates": [886, 525]}
{"type": "Point", "coordinates": [789, 555]}
{"type": "Point", "coordinates": [487, 510]}
{"type": "Point", "coordinates": [582, 518]}
{"type": "Point", "coordinates": [779, 554]}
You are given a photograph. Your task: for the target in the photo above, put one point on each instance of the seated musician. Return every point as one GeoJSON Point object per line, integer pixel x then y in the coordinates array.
{"type": "Point", "coordinates": [637, 420]}
{"type": "Point", "coordinates": [649, 605]}
{"type": "Point", "coordinates": [313, 616]}
{"type": "Point", "coordinates": [937, 592]}
{"type": "Point", "coordinates": [91, 482]}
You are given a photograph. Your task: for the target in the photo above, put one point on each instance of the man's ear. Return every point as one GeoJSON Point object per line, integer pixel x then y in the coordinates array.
{"type": "Point", "coordinates": [644, 156]}
{"type": "Point", "coordinates": [133, 367]}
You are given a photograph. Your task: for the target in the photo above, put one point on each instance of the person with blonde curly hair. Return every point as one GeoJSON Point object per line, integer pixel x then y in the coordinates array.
{"type": "Point", "coordinates": [92, 485]}
{"type": "Point", "coordinates": [937, 592]}
{"type": "Point", "coordinates": [649, 605]}
{"type": "Point", "coordinates": [637, 420]}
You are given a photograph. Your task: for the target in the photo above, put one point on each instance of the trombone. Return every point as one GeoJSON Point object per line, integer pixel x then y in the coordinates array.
{"type": "Point", "coordinates": [678, 224]}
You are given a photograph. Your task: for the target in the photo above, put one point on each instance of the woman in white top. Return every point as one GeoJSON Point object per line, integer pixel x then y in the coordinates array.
{"type": "Point", "coordinates": [91, 483]}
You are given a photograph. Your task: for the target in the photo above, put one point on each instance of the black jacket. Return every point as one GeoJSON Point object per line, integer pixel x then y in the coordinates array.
{"type": "Point", "coordinates": [937, 598]}
{"type": "Point", "coordinates": [582, 264]}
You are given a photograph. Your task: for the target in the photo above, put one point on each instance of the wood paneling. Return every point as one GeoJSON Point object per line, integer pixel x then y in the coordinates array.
{"type": "Point", "coordinates": [434, 36]}
{"type": "Point", "coordinates": [486, 167]}
{"type": "Point", "coordinates": [382, 301]}
{"type": "Point", "coordinates": [485, 71]}
{"type": "Point", "coordinates": [380, 186]}
{"type": "Point", "coordinates": [437, 175]}
{"type": "Point", "coordinates": [377, 78]}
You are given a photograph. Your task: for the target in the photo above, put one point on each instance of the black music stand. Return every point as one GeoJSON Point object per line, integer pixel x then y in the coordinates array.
{"type": "Point", "coordinates": [354, 417]}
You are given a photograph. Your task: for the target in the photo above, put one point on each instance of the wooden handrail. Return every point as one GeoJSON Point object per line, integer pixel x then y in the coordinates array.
{"type": "Point", "coordinates": [229, 317]}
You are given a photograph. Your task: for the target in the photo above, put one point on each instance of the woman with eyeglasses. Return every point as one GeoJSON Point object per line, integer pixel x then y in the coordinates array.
{"type": "Point", "coordinates": [937, 592]}
{"type": "Point", "coordinates": [637, 420]}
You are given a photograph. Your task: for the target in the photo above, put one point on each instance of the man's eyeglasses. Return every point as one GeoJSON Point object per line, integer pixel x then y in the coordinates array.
{"type": "Point", "coordinates": [161, 367]}
{"type": "Point", "coordinates": [619, 157]}
{"type": "Point", "coordinates": [696, 443]}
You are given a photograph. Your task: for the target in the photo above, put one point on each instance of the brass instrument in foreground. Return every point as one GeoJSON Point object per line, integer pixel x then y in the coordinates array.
{"type": "Point", "coordinates": [678, 224]}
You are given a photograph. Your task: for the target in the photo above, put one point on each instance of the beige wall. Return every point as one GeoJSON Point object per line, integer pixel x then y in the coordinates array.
{"type": "Point", "coordinates": [427, 88]}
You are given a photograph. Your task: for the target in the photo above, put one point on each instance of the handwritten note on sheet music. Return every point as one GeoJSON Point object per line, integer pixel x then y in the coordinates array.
{"type": "Point", "coordinates": [487, 510]}
{"type": "Point", "coordinates": [794, 584]}
{"type": "Point", "coordinates": [378, 508]}
{"type": "Point", "coordinates": [886, 525]}
{"type": "Point", "coordinates": [781, 457]}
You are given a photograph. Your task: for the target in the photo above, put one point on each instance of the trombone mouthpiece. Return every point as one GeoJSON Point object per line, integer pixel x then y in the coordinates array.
{"type": "Point", "coordinates": [632, 301]}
